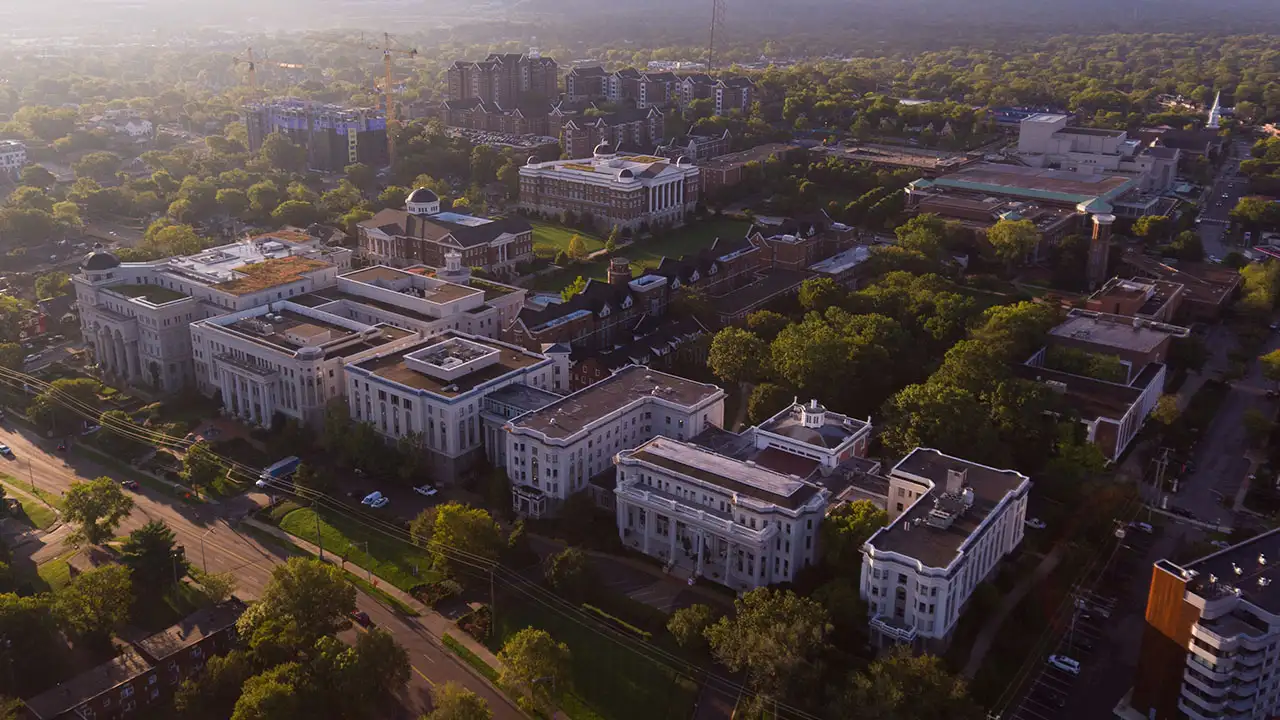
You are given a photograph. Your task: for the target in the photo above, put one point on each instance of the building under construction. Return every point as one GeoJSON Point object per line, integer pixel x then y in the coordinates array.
{"type": "Point", "coordinates": [334, 136]}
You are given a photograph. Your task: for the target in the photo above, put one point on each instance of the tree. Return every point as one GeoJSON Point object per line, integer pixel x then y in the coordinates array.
{"type": "Point", "coordinates": [12, 356]}
{"type": "Point", "coordinates": [37, 176]}
{"type": "Point", "coordinates": [31, 634]}
{"type": "Point", "coordinates": [459, 527]}
{"type": "Point", "coordinates": [363, 679]}
{"type": "Point", "coordinates": [96, 165]}
{"type": "Point", "coordinates": [350, 222]}
{"type": "Point", "coordinates": [1166, 411]}
{"type": "Point", "coordinates": [688, 625]}
{"type": "Point", "coordinates": [1256, 213]}
{"type": "Point", "coordinates": [569, 573]}
{"type": "Point", "coordinates": [361, 175]}
{"type": "Point", "coordinates": [13, 312]}
{"type": "Point", "coordinates": [96, 602]}
{"type": "Point", "coordinates": [1270, 364]}
{"type": "Point", "coordinates": [767, 324]}
{"type": "Point", "coordinates": [611, 243]}
{"type": "Point", "coordinates": [52, 285]}
{"type": "Point", "coordinates": [767, 400]}
{"type": "Point", "coordinates": [393, 196]}
{"type": "Point", "coordinates": [818, 294]}
{"type": "Point", "coordinates": [201, 467]}
{"type": "Point", "coordinates": [534, 666]}
{"type": "Point", "coordinates": [903, 686]}
{"type": "Point", "coordinates": [305, 599]}
{"type": "Point", "coordinates": [211, 694]}
{"type": "Point", "coordinates": [737, 355]}
{"type": "Point", "coordinates": [272, 695]}
{"type": "Point", "coordinates": [1013, 240]}
{"type": "Point", "coordinates": [941, 416]}
{"type": "Point", "coordinates": [573, 288]}
{"type": "Point", "coordinates": [845, 529]}
{"type": "Point", "coordinates": [774, 636]}
{"type": "Point", "coordinates": [577, 248]}
{"type": "Point", "coordinates": [215, 588]}
{"type": "Point", "coordinates": [452, 701]}
{"type": "Point", "coordinates": [233, 201]}
{"type": "Point", "coordinates": [1187, 246]}
{"type": "Point", "coordinates": [149, 553]}
{"type": "Point", "coordinates": [298, 213]}
{"type": "Point", "coordinates": [96, 508]}
{"type": "Point", "coordinates": [1153, 227]}
{"type": "Point", "coordinates": [279, 153]}
{"type": "Point", "coordinates": [1257, 426]}
{"type": "Point", "coordinates": [67, 216]}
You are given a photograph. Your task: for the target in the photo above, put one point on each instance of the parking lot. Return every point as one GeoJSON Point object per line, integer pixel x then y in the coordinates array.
{"type": "Point", "coordinates": [1088, 631]}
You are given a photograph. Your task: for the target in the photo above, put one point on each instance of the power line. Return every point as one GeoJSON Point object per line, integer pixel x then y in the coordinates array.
{"type": "Point", "coordinates": [463, 559]}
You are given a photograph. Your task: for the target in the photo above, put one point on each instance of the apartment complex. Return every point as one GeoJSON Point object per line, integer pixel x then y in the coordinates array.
{"type": "Point", "coordinates": [145, 673]}
{"type": "Point", "coordinates": [333, 136]}
{"type": "Point", "coordinates": [743, 510]}
{"type": "Point", "coordinates": [1212, 637]}
{"type": "Point", "coordinates": [137, 316]}
{"type": "Point", "coordinates": [504, 79]}
{"type": "Point", "coordinates": [288, 357]}
{"type": "Point", "coordinates": [612, 190]}
{"type": "Point", "coordinates": [437, 390]}
{"type": "Point", "coordinates": [698, 148]}
{"type": "Point", "coordinates": [552, 452]}
{"type": "Point", "coordinates": [532, 118]}
{"type": "Point", "coordinates": [952, 521]}
{"type": "Point", "coordinates": [629, 129]}
{"type": "Point", "coordinates": [660, 88]}
{"type": "Point", "coordinates": [423, 235]}
{"type": "Point", "coordinates": [582, 84]}
{"type": "Point", "coordinates": [13, 157]}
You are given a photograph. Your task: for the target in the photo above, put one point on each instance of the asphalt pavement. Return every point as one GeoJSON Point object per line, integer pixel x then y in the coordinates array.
{"type": "Point", "coordinates": [207, 533]}
{"type": "Point", "coordinates": [1219, 200]}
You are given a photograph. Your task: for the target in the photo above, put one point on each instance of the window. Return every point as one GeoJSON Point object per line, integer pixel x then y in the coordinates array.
{"type": "Point", "coordinates": [899, 507]}
{"type": "Point", "coordinates": [126, 691]}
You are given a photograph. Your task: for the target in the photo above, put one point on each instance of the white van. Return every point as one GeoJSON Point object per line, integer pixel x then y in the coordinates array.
{"type": "Point", "coordinates": [1065, 664]}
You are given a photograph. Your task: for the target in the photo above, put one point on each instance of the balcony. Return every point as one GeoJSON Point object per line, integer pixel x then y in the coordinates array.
{"type": "Point", "coordinates": [1217, 671]}
{"type": "Point", "coordinates": [1206, 706]}
{"type": "Point", "coordinates": [1217, 689]}
{"type": "Point", "coordinates": [1195, 712]}
{"type": "Point", "coordinates": [890, 627]}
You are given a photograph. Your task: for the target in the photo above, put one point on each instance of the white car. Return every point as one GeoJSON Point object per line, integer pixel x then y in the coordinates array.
{"type": "Point", "coordinates": [380, 502]}
{"type": "Point", "coordinates": [1214, 259]}
{"type": "Point", "coordinates": [426, 490]}
{"type": "Point", "coordinates": [32, 358]}
{"type": "Point", "coordinates": [1036, 524]}
{"type": "Point", "coordinates": [5, 450]}
{"type": "Point", "coordinates": [1144, 527]}
{"type": "Point", "coordinates": [1220, 544]}
{"type": "Point", "coordinates": [371, 498]}
{"type": "Point", "coordinates": [1065, 664]}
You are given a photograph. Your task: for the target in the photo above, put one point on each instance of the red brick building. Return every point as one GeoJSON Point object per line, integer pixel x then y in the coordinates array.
{"type": "Point", "coordinates": [477, 114]}
{"type": "Point", "coordinates": [504, 79]}
{"type": "Point", "coordinates": [399, 238]}
{"type": "Point", "coordinates": [586, 83]}
{"type": "Point", "coordinates": [635, 130]}
{"type": "Point", "coordinates": [727, 170]}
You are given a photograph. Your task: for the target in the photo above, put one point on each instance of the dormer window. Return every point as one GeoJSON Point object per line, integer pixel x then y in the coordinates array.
{"type": "Point", "coordinates": [604, 311]}
{"type": "Point", "coordinates": [695, 277]}
{"type": "Point", "coordinates": [714, 269]}
{"type": "Point", "coordinates": [626, 302]}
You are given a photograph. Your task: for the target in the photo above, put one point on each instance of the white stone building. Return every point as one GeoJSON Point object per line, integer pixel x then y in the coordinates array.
{"type": "Point", "coordinates": [274, 355]}
{"type": "Point", "coordinates": [951, 521]}
{"type": "Point", "coordinates": [614, 190]}
{"type": "Point", "coordinates": [738, 523]}
{"type": "Point", "coordinates": [553, 451]}
{"type": "Point", "coordinates": [13, 157]}
{"type": "Point", "coordinates": [137, 316]}
{"type": "Point", "coordinates": [436, 389]}
{"type": "Point", "coordinates": [1045, 140]}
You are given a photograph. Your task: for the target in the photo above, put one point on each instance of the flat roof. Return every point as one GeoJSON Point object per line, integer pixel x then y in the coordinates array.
{"type": "Point", "coordinates": [594, 402]}
{"type": "Point", "coordinates": [67, 696]}
{"type": "Point", "coordinates": [759, 153]}
{"type": "Point", "coordinates": [191, 630]}
{"type": "Point", "coordinates": [1216, 573]}
{"type": "Point", "coordinates": [768, 285]}
{"type": "Point", "coordinates": [523, 397]}
{"type": "Point", "coordinates": [934, 546]}
{"type": "Point", "coordinates": [393, 368]}
{"type": "Point", "coordinates": [1205, 283]}
{"type": "Point", "coordinates": [1091, 397]}
{"type": "Point", "coordinates": [745, 478]}
{"type": "Point", "coordinates": [291, 332]}
{"type": "Point", "coordinates": [1116, 331]}
{"type": "Point", "coordinates": [389, 278]}
{"type": "Point", "coordinates": [1037, 183]}
{"type": "Point", "coordinates": [154, 294]}
{"type": "Point", "coordinates": [270, 273]}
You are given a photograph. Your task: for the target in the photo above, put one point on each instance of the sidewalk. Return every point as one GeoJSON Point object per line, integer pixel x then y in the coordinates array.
{"type": "Point", "coordinates": [988, 633]}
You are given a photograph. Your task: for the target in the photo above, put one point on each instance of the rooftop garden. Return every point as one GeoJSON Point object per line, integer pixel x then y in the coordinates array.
{"type": "Point", "coordinates": [154, 294]}
{"type": "Point", "coordinates": [270, 273]}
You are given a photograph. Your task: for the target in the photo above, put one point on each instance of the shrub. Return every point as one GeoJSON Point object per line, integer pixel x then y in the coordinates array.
{"type": "Point", "coordinates": [478, 623]}
{"type": "Point", "coordinates": [617, 622]}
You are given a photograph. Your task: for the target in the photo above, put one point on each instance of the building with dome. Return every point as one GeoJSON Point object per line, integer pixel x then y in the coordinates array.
{"type": "Point", "coordinates": [421, 234]}
{"type": "Point", "coordinates": [137, 315]}
{"type": "Point", "coordinates": [613, 189]}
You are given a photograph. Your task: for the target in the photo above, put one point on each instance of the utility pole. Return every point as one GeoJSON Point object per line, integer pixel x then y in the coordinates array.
{"type": "Point", "coordinates": [31, 474]}
{"type": "Point", "coordinates": [493, 612]}
{"type": "Point", "coordinates": [717, 24]}
{"type": "Point", "coordinates": [319, 538]}
{"type": "Point", "coordinates": [368, 565]}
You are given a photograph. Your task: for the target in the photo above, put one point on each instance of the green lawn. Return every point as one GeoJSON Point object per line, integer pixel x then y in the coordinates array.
{"type": "Point", "coordinates": [56, 573]}
{"type": "Point", "coordinates": [609, 679]}
{"type": "Point", "coordinates": [645, 254]}
{"type": "Point", "coordinates": [51, 499]}
{"type": "Point", "coordinates": [389, 559]}
{"type": "Point", "coordinates": [35, 513]}
{"type": "Point", "coordinates": [550, 239]}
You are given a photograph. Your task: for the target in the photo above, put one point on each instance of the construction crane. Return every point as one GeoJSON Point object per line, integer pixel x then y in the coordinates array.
{"type": "Point", "coordinates": [389, 49]}
{"type": "Point", "coordinates": [253, 64]}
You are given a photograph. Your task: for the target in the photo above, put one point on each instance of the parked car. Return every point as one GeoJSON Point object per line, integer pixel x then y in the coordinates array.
{"type": "Point", "coordinates": [129, 484]}
{"type": "Point", "coordinates": [1144, 527]}
{"type": "Point", "coordinates": [31, 359]}
{"type": "Point", "coordinates": [6, 451]}
{"type": "Point", "coordinates": [1036, 524]}
{"type": "Point", "coordinates": [426, 490]}
{"type": "Point", "coordinates": [1220, 544]}
{"type": "Point", "coordinates": [1065, 664]}
{"type": "Point", "coordinates": [362, 618]}
{"type": "Point", "coordinates": [380, 502]}
{"type": "Point", "coordinates": [371, 498]}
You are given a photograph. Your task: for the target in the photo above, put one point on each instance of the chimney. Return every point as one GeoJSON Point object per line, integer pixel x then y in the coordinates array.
{"type": "Point", "coordinates": [619, 272]}
{"type": "Point", "coordinates": [956, 479]}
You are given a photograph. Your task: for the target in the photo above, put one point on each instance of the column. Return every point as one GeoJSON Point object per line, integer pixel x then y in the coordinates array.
{"type": "Point", "coordinates": [135, 362]}
{"type": "Point", "coordinates": [648, 524]}
{"type": "Point", "coordinates": [702, 540]}
{"type": "Point", "coordinates": [225, 385]}
{"type": "Point", "coordinates": [672, 526]}
{"type": "Point", "coordinates": [105, 348]}
{"type": "Point", "coordinates": [117, 353]}
{"type": "Point", "coordinates": [653, 199]}
{"type": "Point", "coordinates": [729, 562]}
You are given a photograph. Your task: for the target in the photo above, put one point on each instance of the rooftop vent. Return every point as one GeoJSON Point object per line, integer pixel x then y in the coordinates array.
{"type": "Point", "coordinates": [1263, 582]}
{"type": "Point", "coordinates": [956, 478]}
{"type": "Point", "coordinates": [1262, 559]}
{"type": "Point", "coordinates": [1236, 569]}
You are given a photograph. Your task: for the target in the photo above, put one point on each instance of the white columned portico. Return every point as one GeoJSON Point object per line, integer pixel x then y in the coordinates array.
{"type": "Point", "coordinates": [135, 363]}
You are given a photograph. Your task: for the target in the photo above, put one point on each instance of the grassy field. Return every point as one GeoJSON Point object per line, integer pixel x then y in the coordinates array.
{"type": "Point", "coordinates": [389, 559]}
{"type": "Point", "coordinates": [550, 239]}
{"type": "Point", "coordinates": [648, 253]}
{"type": "Point", "coordinates": [51, 499]}
{"type": "Point", "coordinates": [609, 680]}
{"type": "Point", "coordinates": [56, 573]}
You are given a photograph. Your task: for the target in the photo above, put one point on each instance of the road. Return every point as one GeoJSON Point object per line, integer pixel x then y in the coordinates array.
{"type": "Point", "coordinates": [1216, 209]}
{"type": "Point", "coordinates": [211, 541]}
